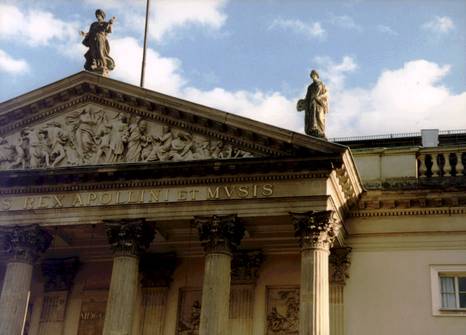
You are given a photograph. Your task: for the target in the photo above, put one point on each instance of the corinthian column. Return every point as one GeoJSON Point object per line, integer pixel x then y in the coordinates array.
{"type": "Point", "coordinates": [128, 239]}
{"type": "Point", "coordinates": [219, 236]}
{"type": "Point", "coordinates": [24, 244]}
{"type": "Point", "coordinates": [316, 234]}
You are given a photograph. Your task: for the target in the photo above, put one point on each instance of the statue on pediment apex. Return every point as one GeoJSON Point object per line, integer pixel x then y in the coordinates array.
{"type": "Point", "coordinates": [98, 58]}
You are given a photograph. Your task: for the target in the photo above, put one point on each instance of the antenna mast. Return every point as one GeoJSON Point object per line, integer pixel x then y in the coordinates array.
{"type": "Point", "coordinates": [143, 66]}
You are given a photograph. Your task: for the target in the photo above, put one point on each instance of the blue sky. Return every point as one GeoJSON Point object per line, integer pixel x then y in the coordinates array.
{"type": "Point", "coordinates": [391, 66]}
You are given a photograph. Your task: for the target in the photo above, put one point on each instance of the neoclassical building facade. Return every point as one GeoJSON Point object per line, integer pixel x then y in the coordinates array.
{"type": "Point", "coordinates": [125, 211]}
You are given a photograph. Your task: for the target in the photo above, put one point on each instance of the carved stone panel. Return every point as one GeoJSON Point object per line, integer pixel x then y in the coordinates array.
{"type": "Point", "coordinates": [91, 135]}
{"type": "Point", "coordinates": [91, 318]}
{"type": "Point", "coordinates": [282, 310]}
{"type": "Point", "coordinates": [189, 312]}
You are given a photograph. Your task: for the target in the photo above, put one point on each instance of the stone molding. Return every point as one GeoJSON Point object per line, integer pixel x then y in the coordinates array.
{"type": "Point", "coordinates": [219, 233]}
{"type": "Point", "coordinates": [245, 266]}
{"type": "Point", "coordinates": [157, 269]}
{"type": "Point", "coordinates": [154, 183]}
{"type": "Point", "coordinates": [315, 229]}
{"type": "Point", "coordinates": [25, 243]}
{"type": "Point", "coordinates": [129, 237]}
{"type": "Point", "coordinates": [339, 264]}
{"type": "Point", "coordinates": [59, 273]}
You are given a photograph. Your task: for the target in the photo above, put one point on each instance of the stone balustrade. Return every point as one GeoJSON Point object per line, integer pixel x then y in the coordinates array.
{"type": "Point", "coordinates": [441, 162]}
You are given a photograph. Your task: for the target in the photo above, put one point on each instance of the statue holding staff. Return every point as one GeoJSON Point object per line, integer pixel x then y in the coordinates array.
{"type": "Point", "coordinates": [315, 105]}
{"type": "Point", "coordinates": [98, 56]}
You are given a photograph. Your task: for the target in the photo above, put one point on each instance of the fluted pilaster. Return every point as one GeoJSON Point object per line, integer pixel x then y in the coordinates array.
{"type": "Point", "coordinates": [339, 272]}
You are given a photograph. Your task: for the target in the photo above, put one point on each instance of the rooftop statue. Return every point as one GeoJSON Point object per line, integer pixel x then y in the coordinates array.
{"type": "Point", "coordinates": [315, 105]}
{"type": "Point", "coordinates": [98, 58]}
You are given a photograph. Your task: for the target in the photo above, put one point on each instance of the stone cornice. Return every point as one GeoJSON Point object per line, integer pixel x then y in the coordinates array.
{"type": "Point", "coordinates": [415, 203]}
{"type": "Point", "coordinates": [168, 174]}
{"type": "Point", "coordinates": [25, 243]}
{"type": "Point", "coordinates": [219, 233]}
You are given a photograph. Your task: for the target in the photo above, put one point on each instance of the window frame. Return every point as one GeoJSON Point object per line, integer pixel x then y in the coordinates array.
{"type": "Point", "coordinates": [437, 271]}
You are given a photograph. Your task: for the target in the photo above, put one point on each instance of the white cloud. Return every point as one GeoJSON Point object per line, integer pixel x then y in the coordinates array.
{"type": "Point", "coordinates": [172, 14]}
{"type": "Point", "coordinates": [345, 21]}
{"type": "Point", "coordinates": [402, 100]}
{"type": "Point", "coordinates": [162, 74]}
{"type": "Point", "coordinates": [313, 29]}
{"type": "Point", "coordinates": [167, 16]}
{"type": "Point", "coordinates": [12, 66]}
{"type": "Point", "coordinates": [34, 27]}
{"type": "Point", "coordinates": [271, 107]}
{"type": "Point", "coordinates": [439, 24]}
{"type": "Point", "coordinates": [386, 30]}
{"type": "Point", "coordinates": [165, 75]}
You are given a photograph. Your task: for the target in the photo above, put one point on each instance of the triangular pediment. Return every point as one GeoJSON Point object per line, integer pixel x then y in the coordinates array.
{"type": "Point", "coordinates": [87, 119]}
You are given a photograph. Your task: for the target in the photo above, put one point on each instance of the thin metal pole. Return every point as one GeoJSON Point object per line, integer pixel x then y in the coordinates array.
{"type": "Point", "coordinates": [143, 67]}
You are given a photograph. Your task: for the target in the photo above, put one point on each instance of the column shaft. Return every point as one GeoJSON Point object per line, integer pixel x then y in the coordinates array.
{"type": "Point", "coordinates": [122, 296]}
{"type": "Point", "coordinates": [314, 293]}
{"type": "Point", "coordinates": [215, 295]}
{"type": "Point", "coordinates": [14, 298]}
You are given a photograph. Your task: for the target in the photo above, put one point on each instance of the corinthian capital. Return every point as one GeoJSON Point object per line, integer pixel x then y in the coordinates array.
{"type": "Point", "coordinates": [129, 236]}
{"type": "Point", "coordinates": [25, 243]}
{"type": "Point", "coordinates": [315, 230]}
{"type": "Point", "coordinates": [219, 233]}
{"type": "Point", "coordinates": [339, 263]}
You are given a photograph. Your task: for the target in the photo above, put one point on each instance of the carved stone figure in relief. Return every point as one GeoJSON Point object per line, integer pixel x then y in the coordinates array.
{"type": "Point", "coordinates": [283, 316]}
{"type": "Point", "coordinates": [103, 134]}
{"type": "Point", "coordinates": [57, 141]}
{"type": "Point", "coordinates": [7, 152]}
{"type": "Point", "coordinates": [91, 136]}
{"type": "Point", "coordinates": [315, 105]}
{"type": "Point", "coordinates": [118, 138]}
{"type": "Point", "coordinates": [98, 58]}
{"type": "Point", "coordinates": [136, 140]}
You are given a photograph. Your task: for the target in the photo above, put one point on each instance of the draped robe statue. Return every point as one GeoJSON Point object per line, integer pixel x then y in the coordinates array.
{"type": "Point", "coordinates": [315, 105]}
{"type": "Point", "coordinates": [98, 56]}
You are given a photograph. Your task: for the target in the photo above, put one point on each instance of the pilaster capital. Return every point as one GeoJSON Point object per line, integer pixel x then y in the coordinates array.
{"type": "Point", "coordinates": [245, 266]}
{"type": "Point", "coordinates": [219, 233]}
{"type": "Point", "coordinates": [25, 243]}
{"type": "Point", "coordinates": [339, 263]}
{"type": "Point", "coordinates": [129, 237]}
{"type": "Point", "coordinates": [315, 229]}
{"type": "Point", "coordinates": [157, 269]}
{"type": "Point", "coordinates": [59, 273]}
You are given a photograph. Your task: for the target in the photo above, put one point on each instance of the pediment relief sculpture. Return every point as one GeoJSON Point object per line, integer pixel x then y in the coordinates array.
{"type": "Point", "coordinates": [92, 136]}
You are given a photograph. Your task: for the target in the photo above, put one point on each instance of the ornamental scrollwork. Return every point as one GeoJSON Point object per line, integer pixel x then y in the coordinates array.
{"type": "Point", "coordinates": [129, 236]}
{"type": "Point", "coordinates": [315, 229]}
{"type": "Point", "coordinates": [94, 136]}
{"type": "Point", "coordinates": [219, 233]}
{"type": "Point", "coordinates": [339, 264]}
{"type": "Point", "coordinates": [25, 243]}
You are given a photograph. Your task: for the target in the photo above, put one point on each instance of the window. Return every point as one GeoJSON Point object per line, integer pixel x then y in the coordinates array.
{"type": "Point", "coordinates": [448, 284]}
{"type": "Point", "coordinates": [453, 291]}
